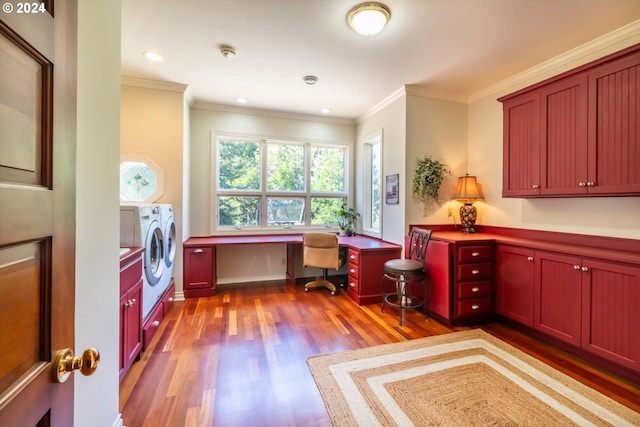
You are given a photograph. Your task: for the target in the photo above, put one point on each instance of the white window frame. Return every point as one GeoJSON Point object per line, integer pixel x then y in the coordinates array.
{"type": "Point", "coordinates": [263, 193]}
{"type": "Point", "coordinates": [368, 143]}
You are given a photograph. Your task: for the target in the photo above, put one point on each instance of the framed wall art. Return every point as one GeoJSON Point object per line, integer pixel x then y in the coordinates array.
{"type": "Point", "coordinates": [392, 189]}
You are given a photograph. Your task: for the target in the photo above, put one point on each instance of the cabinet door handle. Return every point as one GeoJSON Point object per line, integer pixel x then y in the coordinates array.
{"type": "Point", "coordinates": [529, 258]}
{"type": "Point", "coordinates": [127, 304]}
{"type": "Point", "coordinates": [475, 253]}
{"type": "Point", "coordinates": [585, 269]}
{"type": "Point", "coordinates": [582, 184]}
{"type": "Point", "coordinates": [590, 183]}
{"type": "Point", "coordinates": [576, 267]}
{"type": "Point", "coordinates": [133, 301]}
{"type": "Point", "coordinates": [535, 186]}
{"type": "Point", "coordinates": [476, 271]}
{"type": "Point", "coordinates": [155, 323]}
{"type": "Point", "coordinates": [198, 251]}
{"type": "Point", "coordinates": [475, 307]}
{"type": "Point", "coordinates": [475, 289]}
{"type": "Point", "coordinates": [170, 299]}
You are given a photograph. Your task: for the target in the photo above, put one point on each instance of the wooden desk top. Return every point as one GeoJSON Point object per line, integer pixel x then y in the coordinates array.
{"type": "Point", "coordinates": [362, 243]}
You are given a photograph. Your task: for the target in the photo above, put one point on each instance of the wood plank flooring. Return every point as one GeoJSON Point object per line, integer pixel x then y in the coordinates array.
{"type": "Point", "coordinates": [239, 358]}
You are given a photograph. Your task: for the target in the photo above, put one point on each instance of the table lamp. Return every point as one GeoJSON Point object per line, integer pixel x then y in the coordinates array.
{"type": "Point", "coordinates": [467, 192]}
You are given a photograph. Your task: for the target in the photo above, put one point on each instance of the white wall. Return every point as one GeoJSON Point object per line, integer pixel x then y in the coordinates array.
{"type": "Point", "coordinates": [391, 120]}
{"type": "Point", "coordinates": [238, 264]}
{"type": "Point", "coordinates": [601, 216]}
{"type": "Point", "coordinates": [97, 214]}
{"type": "Point", "coordinates": [153, 125]}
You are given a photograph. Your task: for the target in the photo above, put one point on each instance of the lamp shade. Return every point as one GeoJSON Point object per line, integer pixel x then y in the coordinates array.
{"type": "Point", "coordinates": [467, 189]}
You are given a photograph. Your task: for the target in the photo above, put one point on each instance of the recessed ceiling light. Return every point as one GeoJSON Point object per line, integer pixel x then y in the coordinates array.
{"type": "Point", "coordinates": [325, 110]}
{"type": "Point", "coordinates": [310, 80]}
{"type": "Point", "coordinates": [368, 18]}
{"type": "Point", "coordinates": [241, 100]}
{"type": "Point", "coordinates": [152, 56]}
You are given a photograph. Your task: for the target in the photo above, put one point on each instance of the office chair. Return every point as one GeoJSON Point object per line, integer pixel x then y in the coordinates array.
{"type": "Point", "coordinates": [406, 272]}
{"type": "Point", "coordinates": [321, 250]}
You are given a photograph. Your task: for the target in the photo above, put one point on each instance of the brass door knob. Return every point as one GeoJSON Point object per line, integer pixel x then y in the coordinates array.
{"type": "Point", "coordinates": [66, 362]}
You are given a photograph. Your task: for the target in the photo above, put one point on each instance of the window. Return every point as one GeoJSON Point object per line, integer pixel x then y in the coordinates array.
{"type": "Point", "coordinates": [372, 154]}
{"type": "Point", "coordinates": [278, 184]}
{"type": "Point", "coordinates": [141, 180]}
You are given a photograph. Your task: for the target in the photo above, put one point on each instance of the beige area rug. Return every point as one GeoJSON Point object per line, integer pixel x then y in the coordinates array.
{"type": "Point", "coordinates": [465, 378]}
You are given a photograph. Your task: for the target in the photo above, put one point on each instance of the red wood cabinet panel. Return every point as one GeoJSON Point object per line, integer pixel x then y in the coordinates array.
{"type": "Point", "coordinates": [557, 299]}
{"type": "Point", "coordinates": [199, 272]}
{"type": "Point", "coordinates": [130, 314]}
{"type": "Point", "coordinates": [368, 269]}
{"type": "Point", "coordinates": [614, 127]}
{"type": "Point", "coordinates": [563, 160]}
{"type": "Point", "coordinates": [611, 318]}
{"type": "Point", "coordinates": [438, 264]}
{"type": "Point", "coordinates": [521, 156]}
{"type": "Point", "coordinates": [515, 274]}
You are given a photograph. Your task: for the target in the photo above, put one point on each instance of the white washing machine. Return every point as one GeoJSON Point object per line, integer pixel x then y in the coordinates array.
{"type": "Point", "coordinates": [168, 226]}
{"type": "Point", "coordinates": [140, 225]}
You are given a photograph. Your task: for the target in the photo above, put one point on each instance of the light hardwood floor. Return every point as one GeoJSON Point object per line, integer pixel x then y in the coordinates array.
{"type": "Point", "coordinates": [239, 358]}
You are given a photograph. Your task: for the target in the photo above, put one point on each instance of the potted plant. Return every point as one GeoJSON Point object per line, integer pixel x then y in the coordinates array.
{"type": "Point", "coordinates": [427, 178]}
{"type": "Point", "coordinates": [347, 219]}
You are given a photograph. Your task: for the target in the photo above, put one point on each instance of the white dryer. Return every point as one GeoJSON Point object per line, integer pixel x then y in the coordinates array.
{"type": "Point", "coordinates": [168, 226]}
{"type": "Point", "coordinates": [140, 226]}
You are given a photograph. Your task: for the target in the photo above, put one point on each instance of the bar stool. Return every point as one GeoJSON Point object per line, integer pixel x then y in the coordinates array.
{"type": "Point", "coordinates": [406, 272]}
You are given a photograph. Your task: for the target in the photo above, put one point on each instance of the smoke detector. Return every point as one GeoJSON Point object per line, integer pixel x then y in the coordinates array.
{"type": "Point", "coordinates": [227, 51]}
{"type": "Point", "coordinates": [310, 80]}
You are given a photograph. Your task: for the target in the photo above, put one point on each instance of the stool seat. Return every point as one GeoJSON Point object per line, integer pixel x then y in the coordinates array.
{"type": "Point", "coordinates": [403, 266]}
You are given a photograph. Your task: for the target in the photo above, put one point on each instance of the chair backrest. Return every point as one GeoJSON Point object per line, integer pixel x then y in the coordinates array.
{"type": "Point", "coordinates": [418, 243]}
{"type": "Point", "coordinates": [321, 250]}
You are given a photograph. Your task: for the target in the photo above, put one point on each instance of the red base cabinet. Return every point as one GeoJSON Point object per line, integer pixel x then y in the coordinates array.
{"type": "Point", "coordinates": [199, 275]}
{"type": "Point", "coordinates": [130, 312]}
{"type": "Point", "coordinates": [515, 273]}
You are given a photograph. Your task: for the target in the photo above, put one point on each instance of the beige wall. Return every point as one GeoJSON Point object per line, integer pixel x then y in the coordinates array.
{"type": "Point", "coordinates": [153, 126]}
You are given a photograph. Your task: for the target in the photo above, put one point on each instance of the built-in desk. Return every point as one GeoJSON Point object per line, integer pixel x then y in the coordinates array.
{"type": "Point", "coordinates": [366, 257]}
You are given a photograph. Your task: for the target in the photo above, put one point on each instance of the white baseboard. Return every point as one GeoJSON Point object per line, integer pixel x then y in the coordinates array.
{"type": "Point", "coordinates": [119, 422]}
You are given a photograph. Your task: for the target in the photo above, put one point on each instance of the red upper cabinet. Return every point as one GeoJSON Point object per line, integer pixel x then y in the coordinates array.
{"type": "Point", "coordinates": [577, 134]}
{"type": "Point", "coordinates": [614, 127]}
{"type": "Point", "coordinates": [521, 156]}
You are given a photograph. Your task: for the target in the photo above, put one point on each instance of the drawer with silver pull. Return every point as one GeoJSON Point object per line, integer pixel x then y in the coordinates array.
{"type": "Point", "coordinates": [474, 307]}
{"type": "Point", "coordinates": [475, 289]}
{"type": "Point", "coordinates": [475, 254]}
{"type": "Point", "coordinates": [481, 271]}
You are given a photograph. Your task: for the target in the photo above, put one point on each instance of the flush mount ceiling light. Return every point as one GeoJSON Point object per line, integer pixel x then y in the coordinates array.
{"type": "Point", "coordinates": [310, 80]}
{"type": "Point", "coordinates": [368, 18]}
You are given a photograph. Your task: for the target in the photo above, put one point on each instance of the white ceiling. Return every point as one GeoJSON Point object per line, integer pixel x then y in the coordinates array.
{"type": "Point", "coordinates": [452, 48]}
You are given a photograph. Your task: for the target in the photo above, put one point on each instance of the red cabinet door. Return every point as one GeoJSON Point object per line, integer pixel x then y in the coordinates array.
{"type": "Point", "coordinates": [611, 318]}
{"type": "Point", "coordinates": [198, 268]}
{"type": "Point", "coordinates": [563, 157]}
{"type": "Point", "coordinates": [614, 127]}
{"type": "Point", "coordinates": [515, 274]}
{"type": "Point", "coordinates": [521, 146]}
{"type": "Point", "coordinates": [557, 299]}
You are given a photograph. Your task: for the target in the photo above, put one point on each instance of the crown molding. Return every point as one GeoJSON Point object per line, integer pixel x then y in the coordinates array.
{"type": "Point", "coordinates": [225, 108]}
{"type": "Point", "coordinates": [609, 43]}
{"type": "Point", "coordinates": [153, 84]}
{"type": "Point", "coordinates": [382, 104]}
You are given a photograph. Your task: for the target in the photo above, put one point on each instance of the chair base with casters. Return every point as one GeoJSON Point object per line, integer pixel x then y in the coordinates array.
{"type": "Point", "coordinates": [322, 250]}
{"type": "Point", "coordinates": [406, 274]}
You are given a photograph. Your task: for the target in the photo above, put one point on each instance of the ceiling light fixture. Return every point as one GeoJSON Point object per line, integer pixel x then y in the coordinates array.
{"type": "Point", "coordinates": [368, 18]}
{"type": "Point", "coordinates": [152, 56]}
{"type": "Point", "coordinates": [227, 51]}
{"type": "Point", "coordinates": [310, 80]}
{"type": "Point", "coordinates": [241, 100]}
{"type": "Point", "coordinates": [325, 110]}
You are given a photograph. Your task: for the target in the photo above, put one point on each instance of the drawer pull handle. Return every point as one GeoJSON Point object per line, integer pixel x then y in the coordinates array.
{"type": "Point", "coordinates": [529, 258]}
{"type": "Point", "coordinates": [475, 289]}
{"type": "Point", "coordinates": [475, 307]}
{"type": "Point", "coordinates": [352, 256]}
{"type": "Point", "coordinates": [352, 271]}
{"type": "Point", "coordinates": [476, 271]}
{"type": "Point", "coordinates": [170, 299]}
{"type": "Point", "coordinates": [198, 251]}
{"type": "Point", "coordinates": [475, 253]}
{"type": "Point", "coordinates": [353, 285]}
{"type": "Point", "coordinates": [155, 323]}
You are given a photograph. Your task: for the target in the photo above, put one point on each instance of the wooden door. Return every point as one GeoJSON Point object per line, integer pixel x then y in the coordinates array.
{"type": "Point", "coordinates": [521, 145]}
{"type": "Point", "coordinates": [37, 210]}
